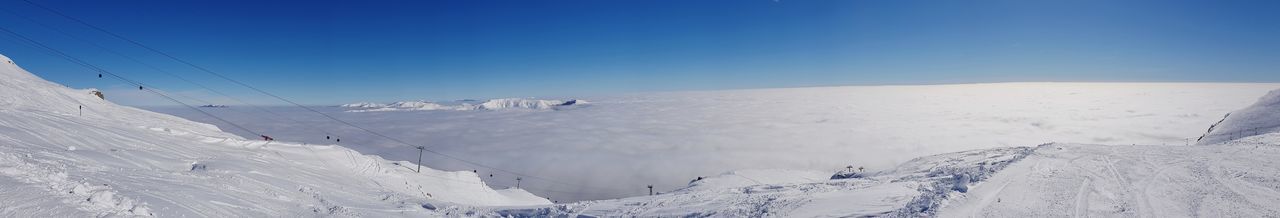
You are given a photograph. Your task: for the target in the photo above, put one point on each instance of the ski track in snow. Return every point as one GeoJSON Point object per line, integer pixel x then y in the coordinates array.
{"type": "Point", "coordinates": [1142, 180]}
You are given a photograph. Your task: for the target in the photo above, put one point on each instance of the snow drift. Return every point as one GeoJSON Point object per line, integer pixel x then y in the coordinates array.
{"type": "Point", "coordinates": [120, 161]}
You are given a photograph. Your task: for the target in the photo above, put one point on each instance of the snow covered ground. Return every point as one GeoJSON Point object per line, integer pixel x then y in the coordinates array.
{"type": "Point", "coordinates": [1234, 171]}
{"type": "Point", "coordinates": [110, 160]}
{"type": "Point", "coordinates": [120, 161]}
{"type": "Point", "coordinates": [913, 189]}
{"type": "Point", "coordinates": [620, 144]}
{"type": "Point", "coordinates": [1238, 178]}
{"type": "Point", "coordinates": [1232, 178]}
{"type": "Point", "coordinates": [1225, 180]}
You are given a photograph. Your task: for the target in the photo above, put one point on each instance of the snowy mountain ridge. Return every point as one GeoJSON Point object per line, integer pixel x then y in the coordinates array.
{"type": "Point", "coordinates": [1259, 118]}
{"type": "Point", "coordinates": [121, 161]}
{"type": "Point", "coordinates": [488, 105]}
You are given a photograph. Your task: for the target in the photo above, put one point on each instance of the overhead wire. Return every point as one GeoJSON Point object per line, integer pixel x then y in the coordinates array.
{"type": "Point", "coordinates": [274, 115]}
{"type": "Point", "coordinates": [211, 72]}
{"type": "Point", "coordinates": [53, 52]}
{"type": "Point", "coordinates": [121, 78]}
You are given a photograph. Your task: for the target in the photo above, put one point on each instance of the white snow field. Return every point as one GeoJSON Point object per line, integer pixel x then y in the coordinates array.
{"type": "Point", "coordinates": [120, 161]}
{"type": "Point", "coordinates": [617, 145]}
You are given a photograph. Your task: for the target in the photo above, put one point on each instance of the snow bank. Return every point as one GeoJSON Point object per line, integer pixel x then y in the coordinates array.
{"type": "Point", "coordinates": [120, 161]}
{"type": "Point", "coordinates": [1260, 118]}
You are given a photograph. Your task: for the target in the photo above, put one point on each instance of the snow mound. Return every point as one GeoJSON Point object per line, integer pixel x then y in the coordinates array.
{"type": "Point", "coordinates": [467, 105]}
{"type": "Point", "coordinates": [363, 105]}
{"type": "Point", "coordinates": [1260, 118]}
{"type": "Point", "coordinates": [121, 161]}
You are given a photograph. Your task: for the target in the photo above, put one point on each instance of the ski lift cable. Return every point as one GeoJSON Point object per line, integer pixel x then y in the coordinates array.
{"type": "Point", "coordinates": [139, 84]}
{"type": "Point", "coordinates": [206, 70]}
{"type": "Point", "coordinates": [273, 116]}
{"type": "Point", "coordinates": [316, 155]}
{"type": "Point", "coordinates": [53, 52]}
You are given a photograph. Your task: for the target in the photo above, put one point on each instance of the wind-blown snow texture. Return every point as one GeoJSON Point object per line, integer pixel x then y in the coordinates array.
{"type": "Point", "coordinates": [620, 144]}
{"type": "Point", "coordinates": [121, 161]}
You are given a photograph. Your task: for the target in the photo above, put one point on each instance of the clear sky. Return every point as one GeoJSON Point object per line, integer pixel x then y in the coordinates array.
{"type": "Point", "coordinates": [329, 52]}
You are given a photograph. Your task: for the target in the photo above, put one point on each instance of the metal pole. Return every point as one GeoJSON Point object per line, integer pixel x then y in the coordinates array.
{"type": "Point", "coordinates": [420, 159]}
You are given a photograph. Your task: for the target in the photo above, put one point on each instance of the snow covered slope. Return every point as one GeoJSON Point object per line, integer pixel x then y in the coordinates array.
{"type": "Point", "coordinates": [916, 188]}
{"type": "Point", "coordinates": [1235, 180]}
{"type": "Point", "coordinates": [1260, 118]}
{"type": "Point", "coordinates": [1236, 175]}
{"type": "Point", "coordinates": [116, 160]}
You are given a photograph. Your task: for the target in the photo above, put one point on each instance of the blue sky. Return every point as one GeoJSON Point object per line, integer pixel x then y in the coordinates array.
{"type": "Point", "coordinates": [327, 52]}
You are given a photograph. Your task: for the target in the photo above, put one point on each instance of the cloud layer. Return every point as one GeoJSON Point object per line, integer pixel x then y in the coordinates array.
{"type": "Point", "coordinates": [621, 144]}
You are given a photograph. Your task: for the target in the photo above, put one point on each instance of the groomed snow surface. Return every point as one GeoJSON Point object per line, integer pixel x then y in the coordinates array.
{"type": "Point", "coordinates": [121, 161]}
